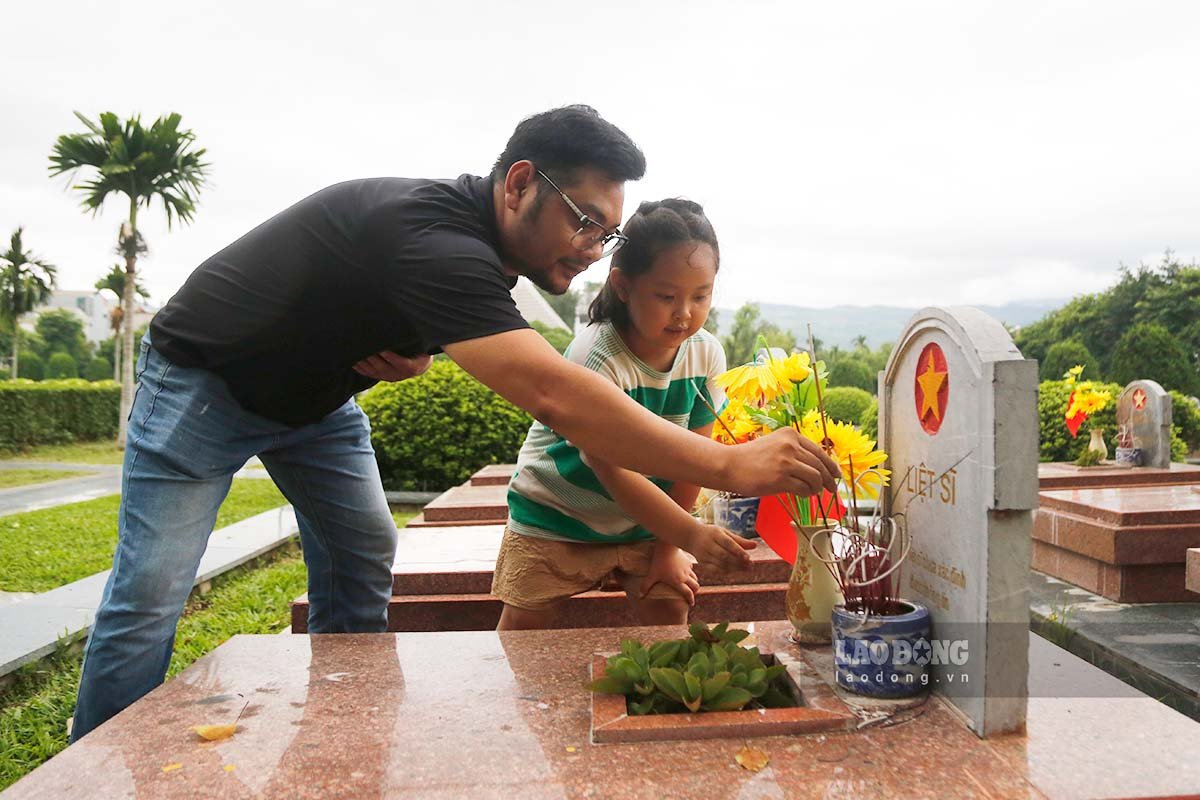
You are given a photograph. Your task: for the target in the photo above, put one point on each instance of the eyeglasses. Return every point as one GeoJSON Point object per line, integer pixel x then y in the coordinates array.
{"type": "Point", "coordinates": [590, 233]}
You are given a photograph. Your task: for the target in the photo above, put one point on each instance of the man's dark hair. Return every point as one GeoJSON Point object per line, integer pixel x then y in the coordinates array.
{"type": "Point", "coordinates": [565, 139]}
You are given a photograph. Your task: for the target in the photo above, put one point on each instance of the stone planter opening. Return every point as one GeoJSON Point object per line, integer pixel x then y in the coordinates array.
{"type": "Point", "coordinates": [818, 709]}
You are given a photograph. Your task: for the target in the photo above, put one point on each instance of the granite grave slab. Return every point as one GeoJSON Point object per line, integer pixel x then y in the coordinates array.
{"type": "Point", "coordinates": [487, 715]}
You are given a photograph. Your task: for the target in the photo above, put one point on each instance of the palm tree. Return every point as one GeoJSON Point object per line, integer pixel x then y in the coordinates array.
{"type": "Point", "coordinates": [141, 164]}
{"type": "Point", "coordinates": [114, 281]}
{"type": "Point", "coordinates": [26, 282]}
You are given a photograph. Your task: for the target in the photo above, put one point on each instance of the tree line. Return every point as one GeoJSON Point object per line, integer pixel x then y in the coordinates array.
{"type": "Point", "coordinates": [1146, 326]}
{"type": "Point", "coordinates": [131, 163]}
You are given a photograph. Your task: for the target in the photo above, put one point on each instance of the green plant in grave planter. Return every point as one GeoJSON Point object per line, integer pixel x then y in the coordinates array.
{"type": "Point", "coordinates": [708, 671]}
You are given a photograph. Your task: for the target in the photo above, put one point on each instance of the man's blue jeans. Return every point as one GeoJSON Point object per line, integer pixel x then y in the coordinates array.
{"type": "Point", "coordinates": [187, 437]}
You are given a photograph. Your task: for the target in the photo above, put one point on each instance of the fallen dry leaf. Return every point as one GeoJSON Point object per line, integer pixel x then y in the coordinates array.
{"type": "Point", "coordinates": [214, 733]}
{"type": "Point", "coordinates": [752, 758]}
{"type": "Point", "coordinates": [571, 748]}
{"type": "Point", "coordinates": [172, 767]}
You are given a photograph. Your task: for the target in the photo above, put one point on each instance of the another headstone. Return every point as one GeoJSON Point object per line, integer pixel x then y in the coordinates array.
{"type": "Point", "coordinates": [1144, 422]}
{"type": "Point", "coordinates": [958, 418]}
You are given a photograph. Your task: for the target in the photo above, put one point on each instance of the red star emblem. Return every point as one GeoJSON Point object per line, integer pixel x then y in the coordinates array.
{"type": "Point", "coordinates": [1139, 399]}
{"type": "Point", "coordinates": [931, 388]}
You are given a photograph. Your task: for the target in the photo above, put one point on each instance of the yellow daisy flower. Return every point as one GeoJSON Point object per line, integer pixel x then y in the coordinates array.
{"type": "Point", "coordinates": [1087, 400]}
{"type": "Point", "coordinates": [849, 446]}
{"type": "Point", "coordinates": [755, 383]}
{"type": "Point", "coordinates": [810, 425]}
{"type": "Point", "coordinates": [795, 368]}
{"type": "Point", "coordinates": [737, 420]}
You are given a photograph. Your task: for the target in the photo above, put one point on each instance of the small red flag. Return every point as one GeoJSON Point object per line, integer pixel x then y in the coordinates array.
{"type": "Point", "coordinates": [1074, 422]}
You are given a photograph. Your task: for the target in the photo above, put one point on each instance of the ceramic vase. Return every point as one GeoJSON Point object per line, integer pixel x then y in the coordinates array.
{"type": "Point", "coordinates": [1097, 443]}
{"type": "Point", "coordinates": [812, 590]}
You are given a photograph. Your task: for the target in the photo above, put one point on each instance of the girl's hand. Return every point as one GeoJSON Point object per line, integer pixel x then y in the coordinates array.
{"type": "Point", "coordinates": [717, 548]}
{"type": "Point", "coordinates": [673, 568]}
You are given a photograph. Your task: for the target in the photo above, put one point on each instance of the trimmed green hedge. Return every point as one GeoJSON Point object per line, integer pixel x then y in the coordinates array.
{"type": "Point", "coordinates": [847, 403]}
{"type": "Point", "coordinates": [1056, 441]}
{"type": "Point", "coordinates": [55, 412]}
{"type": "Point", "coordinates": [433, 432]}
{"type": "Point", "coordinates": [869, 422]}
{"type": "Point", "coordinates": [1186, 417]}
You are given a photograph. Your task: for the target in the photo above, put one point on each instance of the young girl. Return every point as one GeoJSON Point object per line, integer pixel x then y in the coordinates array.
{"type": "Point", "coordinates": [575, 521]}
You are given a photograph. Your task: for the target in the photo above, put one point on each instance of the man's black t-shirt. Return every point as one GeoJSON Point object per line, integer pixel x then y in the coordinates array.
{"type": "Point", "coordinates": [283, 313]}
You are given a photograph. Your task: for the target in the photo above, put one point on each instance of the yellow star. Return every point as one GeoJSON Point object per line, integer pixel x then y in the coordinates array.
{"type": "Point", "coordinates": [931, 383]}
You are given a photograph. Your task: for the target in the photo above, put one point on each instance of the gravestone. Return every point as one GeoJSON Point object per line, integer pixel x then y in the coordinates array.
{"type": "Point", "coordinates": [1144, 421]}
{"type": "Point", "coordinates": [958, 419]}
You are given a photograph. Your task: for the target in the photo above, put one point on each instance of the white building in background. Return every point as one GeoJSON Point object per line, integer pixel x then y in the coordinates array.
{"type": "Point", "coordinates": [94, 309]}
{"type": "Point", "coordinates": [534, 307]}
{"type": "Point", "coordinates": [587, 293]}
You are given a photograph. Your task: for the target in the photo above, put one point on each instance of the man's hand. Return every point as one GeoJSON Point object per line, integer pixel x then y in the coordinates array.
{"type": "Point", "coordinates": [717, 548]}
{"type": "Point", "coordinates": [674, 568]}
{"type": "Point", "coordinates": [387, 366]}
{"type": "Point", "coordinates": [783, 461]}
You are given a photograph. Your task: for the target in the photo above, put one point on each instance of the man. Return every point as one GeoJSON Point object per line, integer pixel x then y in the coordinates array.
{"type": "Point", "coordinates": [262, 350]}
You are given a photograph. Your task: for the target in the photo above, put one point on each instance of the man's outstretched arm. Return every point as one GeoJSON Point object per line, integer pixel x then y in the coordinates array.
{"type": "Point", "coordinates": [598, 418]}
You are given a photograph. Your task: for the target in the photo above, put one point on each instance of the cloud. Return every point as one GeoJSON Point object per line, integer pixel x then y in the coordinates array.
{"type": "Point", "coordinates": [949, 152]}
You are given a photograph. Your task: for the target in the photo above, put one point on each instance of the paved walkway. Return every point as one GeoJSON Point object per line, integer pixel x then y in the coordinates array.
{"type": "Point", "coordinates": [1152, 646]}
{"type": "Point", "coordinates": [103, 480]}
{"type": "Point", "coordinates": [35, 626]}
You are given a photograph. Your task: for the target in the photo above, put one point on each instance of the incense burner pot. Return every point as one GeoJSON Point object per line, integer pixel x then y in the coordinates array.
{"type": "Point", "coordinates": [882, 656]}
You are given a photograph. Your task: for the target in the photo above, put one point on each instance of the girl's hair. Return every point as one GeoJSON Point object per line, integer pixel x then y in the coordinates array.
{"type": "Point", "coordinates": [653, 228]}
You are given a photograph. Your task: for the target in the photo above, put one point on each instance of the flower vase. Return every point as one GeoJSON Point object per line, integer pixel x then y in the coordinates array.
{"type": "Point", "coordinates": [1097, 443]}
{"type": "Point", "coordinates": [812, 590]}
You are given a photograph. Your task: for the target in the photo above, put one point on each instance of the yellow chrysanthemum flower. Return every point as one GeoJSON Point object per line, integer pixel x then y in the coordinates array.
{"type": "Point", "coordinates": [1072, 375]}
{"type": "Point", "coordinates": [738, 422]}
{"type": "Point", "coordinates": [755, 383]}
{"type": "Point", "coordinates": [1087, 400]}
{"type": "Point", "coordinates": [868, 484]}
{"type": "Point", "coordinates": [810, 425]}
{"type": "Point", "coordinates": [850, 447]}
{"type": "Point", "coordinates": [795, 368]}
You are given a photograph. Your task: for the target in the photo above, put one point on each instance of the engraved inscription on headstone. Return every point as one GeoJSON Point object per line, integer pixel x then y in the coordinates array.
{"type": "Point", "coordinates": [958, 418]}
{"type": "Point", "coordinates": [1144, 414]}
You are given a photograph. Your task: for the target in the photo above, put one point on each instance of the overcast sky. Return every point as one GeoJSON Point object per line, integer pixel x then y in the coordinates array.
{"type": "Point", "coordinates": [896, 153]}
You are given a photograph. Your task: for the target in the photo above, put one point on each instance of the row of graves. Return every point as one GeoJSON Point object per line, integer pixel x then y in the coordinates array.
{"type": "Point", "coordinates": [1125, 531]}
{"type": "Point", "coordinates": [444, 706]}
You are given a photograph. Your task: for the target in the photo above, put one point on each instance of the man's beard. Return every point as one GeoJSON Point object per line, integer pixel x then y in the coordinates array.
{"type": "Point", "coordinates": [542, 276]}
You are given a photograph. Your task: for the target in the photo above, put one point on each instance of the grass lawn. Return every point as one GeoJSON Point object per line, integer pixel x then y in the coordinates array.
{"type": "Point", "coordinates": [25, 477]}
{"type": "Point", "coordinates": [41, 550]}
{"type": "Point", "coordinates": [254, 598]}
{"type": "Point", "coordinates": [402, 514]}
{"type": "Point", "coordinates": [77, 453]}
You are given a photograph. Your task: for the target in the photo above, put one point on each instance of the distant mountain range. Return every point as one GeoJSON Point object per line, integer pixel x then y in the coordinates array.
{"type": "Point", "coordinates": [839, 325]}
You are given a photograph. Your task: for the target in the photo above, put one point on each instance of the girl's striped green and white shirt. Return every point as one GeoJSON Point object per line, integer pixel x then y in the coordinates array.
{"type": "Point", "coordinates": [554, 493]}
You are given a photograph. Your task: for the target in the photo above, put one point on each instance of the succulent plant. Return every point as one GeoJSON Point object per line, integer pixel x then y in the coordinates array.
{"type": "Point", "coordinates": [708, 671]}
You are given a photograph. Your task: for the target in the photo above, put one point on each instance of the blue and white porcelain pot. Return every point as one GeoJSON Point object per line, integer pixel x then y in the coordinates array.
{"type": "Point", "coordinates": [882, 656]}
{"type": "Point", "coordinates": [737, 514]}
